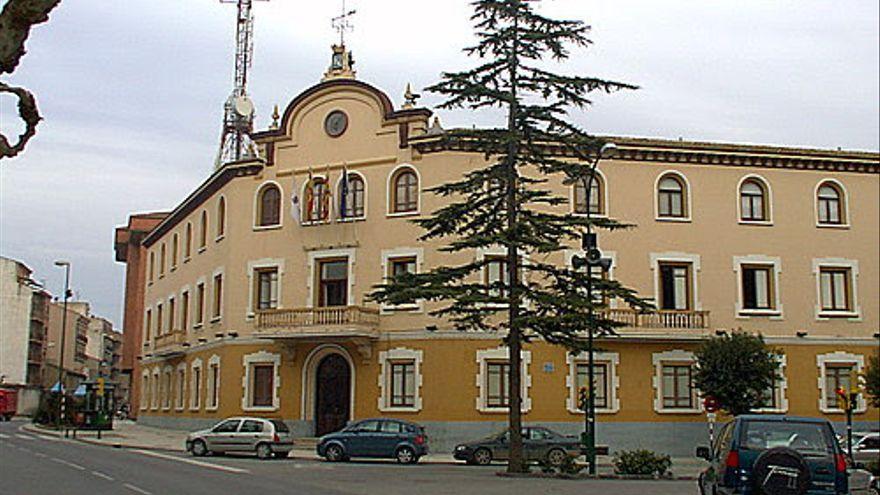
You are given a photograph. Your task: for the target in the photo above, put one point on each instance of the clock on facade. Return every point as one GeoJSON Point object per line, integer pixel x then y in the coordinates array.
{"type": "Point", "coordinates": [336, 123]}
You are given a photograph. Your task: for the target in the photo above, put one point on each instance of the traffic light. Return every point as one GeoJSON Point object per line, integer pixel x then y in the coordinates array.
{"type": "Point", "coordinates": [842, 398]}
{"type": "Point", "coordinates": [583, 397]}
{"type": "Point", "coordinates": [100, 391]}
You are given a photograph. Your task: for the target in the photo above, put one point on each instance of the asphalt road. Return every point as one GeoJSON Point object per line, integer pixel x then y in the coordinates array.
{"type": "Point", "coordinates": [32, 464]}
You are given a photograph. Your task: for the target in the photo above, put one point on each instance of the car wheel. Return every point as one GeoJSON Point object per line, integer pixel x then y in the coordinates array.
{"type": "Point", "coordinates": [282, 455]}
{"type": "Point", "coordinates": [334, 453]}
{"type": "Point", "coordinates": [199, 448]}
{"type": "Point", "coordinates": [556, 457]}
{"type": "Point", "coordinates": [406, 455]}
{"type": "Point", "coordinates": [264, 451]}
{"type": "Point", "coordinates": [482, 457]}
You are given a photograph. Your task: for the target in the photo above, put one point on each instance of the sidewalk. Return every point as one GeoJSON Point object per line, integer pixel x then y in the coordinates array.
{"type": "Point", "coordinates": [130, 435]}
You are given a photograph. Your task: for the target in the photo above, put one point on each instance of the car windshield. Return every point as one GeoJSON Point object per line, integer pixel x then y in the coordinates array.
{"type": "Point", "coordinates": [280, 426]}
{"type": "Point", "coordinates": [806, 438]}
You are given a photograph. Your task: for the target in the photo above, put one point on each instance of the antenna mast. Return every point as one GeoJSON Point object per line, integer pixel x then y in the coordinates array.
{"type": "Point", "coordinates": [238, 111]}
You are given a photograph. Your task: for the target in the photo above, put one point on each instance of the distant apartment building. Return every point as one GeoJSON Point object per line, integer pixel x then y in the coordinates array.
{"type": "Point", "coordinates": [104, 354]}
{"type": "Point", "coordinates": [23, 322]}
{"type": "Point", "coordinates": [76, 327]}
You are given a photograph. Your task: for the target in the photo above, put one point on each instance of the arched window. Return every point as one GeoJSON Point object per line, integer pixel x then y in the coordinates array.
{"type": "Point", "coordinates": [352, 198]}
{"type": "Point", "coordinates": [597, 196]}
{"type": "Point", "coordinates": [221, 217]}
{"type": "Point", "coordinates": [317, 200]}
{"type": "Point", "coordinates": [203, 230]}
{"type": "Point", "coordinates": [404, 191]}
{"type": "Point", "coordinates": [269, 206]}
{"type": "Point", "coordinates": [671, 197]}
{"type": "Point", "coordinates": [829, 201]}
{"type": "Point", "coordinates": [753, 201]}
{"type": "Point", "coordinates": [188, 242]}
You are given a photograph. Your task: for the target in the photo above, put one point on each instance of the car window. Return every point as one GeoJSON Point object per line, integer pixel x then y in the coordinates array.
{"type": "Point", "coordinates": [366, 426]}
{"type": "Point", "coordinates": [280, 426]}
{"type": "Point", "coordinates": [390, 427]}
{"type": "Point", "coordinates": [870, 443]}
{"type": "Point", "coordinates": [228, 426]}
{"type": "Point", "coordinates": [806, 438]}
{"type": "Point", "coordinates": [251, 426]}
{"type": "Point", "coordinates": [540, 434]}
{"type": "Point", "coordinates": [722, 444]}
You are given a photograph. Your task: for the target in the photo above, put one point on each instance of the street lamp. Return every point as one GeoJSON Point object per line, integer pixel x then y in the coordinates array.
{"type": "Point", "coordinates": [592, 257]}
{"type": "Point", "coordinates": [62, 398]}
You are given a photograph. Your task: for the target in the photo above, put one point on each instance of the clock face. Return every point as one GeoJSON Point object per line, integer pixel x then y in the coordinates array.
{"type": "Point", "coordinates": [336, 123]}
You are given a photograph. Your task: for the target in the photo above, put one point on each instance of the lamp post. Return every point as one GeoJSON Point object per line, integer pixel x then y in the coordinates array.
{"type": "Point", "coordinates": [62, 398]}
{"type": "Point", "coordinates": [592, 257]}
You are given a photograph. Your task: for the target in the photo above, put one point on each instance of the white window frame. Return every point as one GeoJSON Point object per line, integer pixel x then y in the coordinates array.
{"type": "Point", "coordinates": [768, 200]}
{"type": "Point", "coordinates": [501, 353]}
{"type": "Point", "coordinates": [839, 357]}
{"type": "Point", "coordinates": [315, 257]}
{"type": "Point", "coordinates": [213, 385]}
{"type": "Point", "coordinates": [844, 203]}
{"type": "Point", "coordinates": [145, 390]}
{"type": "Point", "coordinates": [780, 388]}
{"type": "Point", "coordinates": [569, 254]}
{"type": "Point", "coordinates": [195, 386]}
{"type": "Point", "coordinates": [206, 293]}
{"type": "Point", "coordinates": [389, 196]}
{"type": "Point", "coordinates": [248, 362]}
{"type": "Point", "coordinates": [253, 266]}
{"type": "Point", "coordinates": [501, 251]}
{"type": "Point", "coordinates": [165, 387]}
{"type": "Point", "coordinates": [674, 357]}
{"type": "Point", "coordinates": [603, 187]}
{"type": "Point", "coordinates": [675, 257]}
{"type": "Point", "coordinates": [611, 360]}
{"type": "Point", "coordinates": [185, 325]}
{"type": "Point", "coordinates": [259, 192]}
{"type": "Point", "coordinates": [180, 402]}
{"type": "Point", "coordinates": [211, 316]}
{"type": "Point", "coordinates": [686, 197]}
{"type": "Point", "coordinates": [775, 265]}
{"type": "Point", "coordinates": [155, 389]}
{"type": "Point", "coordinates": [388, 255]}
{"type": "Point", "coordinates": [338, 191]}
{"type": "Point", "coordinates": [853, 265]}
{"type": "Point", "coordinates": [386, 359]}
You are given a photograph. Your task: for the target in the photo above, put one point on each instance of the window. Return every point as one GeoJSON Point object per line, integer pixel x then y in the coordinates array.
{"type": "Point", "coordinates": [497, 278]}
{"type": "Point", "coordinates": [162, 260]}
{"type": "Point", "coordinates": [171, 313]}
{"type": "Point", "coordinates": [263, 385]}
{"type": "Point", "coordinates": [835, 289]}
{"type": "Point", "coordinates": [203, 231]}
{"type": "Point", "coordinates": [160, 323]}
{"type": "Point", "coordinates": [184, 311]}
{"type": "Point", "coordinates": [174, 247]}
{"type": "Point", "coordinates": [261, 379]}
{"type": "Point", "coordinates": [333, 283]}
{"type": "Point", "coordinates": [600, 381]}
{"type": "Point", "coordinates": [405, 191]}
{"type": "Point", "coordinates": [269, 206]}
{"type": "Point", "coordinates": [400, 380]}
{"type": "Point", "coordinates": [200, 303]}
{"type": "Point", "coordinates": [188, 241]}
{"type": "Point", "coordinates": [497, 374]}
{"type": "Point", "coordinates": [353, 198]}
{"type": "Point", "coordinates": [675, 286]}
{"type": "Point", "coordinates": [837, 376]}
{"type": "Point", "coordinates": [678, 387]}
{"type": "Point", "coordinates": [181, 386]}
{"type": "Point", "coordinates": [195, 388]}
{"type": "Point", "coordinates": [317, 201]}
{"type": "Point", "coordinates": [597, 199]}
{"type": "Point", "coordinates": [403, 384]}
{"type": "Point", "coordinates": [221, 217]}
{"type": "Point", "coordinates": [829, 201]}
{"type": "Point", "coordinates": [217, 307]}
{"type": "Point", "coordinates": [757, 287]}
{"type": "Point", "coordinates": [166, 389]}
{"type": "Point", "coordinates": [251, 426]}
{"type": "Point", "coordinates": [266, 288]}
{"type": "Point", "coordinates": [148, 325]}
{"type": "Point", "coordinates": [671, 197]}
{"type": "Point", "coordinates": [228, 426]}
{"type": "Point", "coordinates": [400, 266]}
{"type": "Point", "coordinates": [145, 388]}
{"type": "Point", "coordinates": [753, 201]}
{"type": "Point", "coordinates": [213, 395]}
{"type": "Point", "coordinates": [154, 392]}
{"type": "Point", "coordinates": [152, 270]}
{"type": "Point", "coordinates": [837, 370]}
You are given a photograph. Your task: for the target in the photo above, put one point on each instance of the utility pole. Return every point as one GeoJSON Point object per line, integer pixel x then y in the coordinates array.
{"type": "Point", "coordinates": [62, 399]}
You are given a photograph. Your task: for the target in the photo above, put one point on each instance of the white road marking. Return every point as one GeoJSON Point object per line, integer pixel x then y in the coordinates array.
{"type": "Point", "coordinates": [102, 475]}
{"type": "Point", "coordinates": [136, 489]}
{"type": "Point", "coordinates": [4, 435]}
{"type": "Point", "coordinates": [44, 437]}
{"type": "Point", "coordinates": [25, 437]}
{"type": "Point", "coordinates": [218, 467]}
{"type": "Point", "coordinates": [68, 463]}
{"type": "Point", "coordinates": [40, 454]}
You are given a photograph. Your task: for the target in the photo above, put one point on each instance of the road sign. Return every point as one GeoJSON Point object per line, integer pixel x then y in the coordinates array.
{"type": "Point", "coordinates": [710, 404]}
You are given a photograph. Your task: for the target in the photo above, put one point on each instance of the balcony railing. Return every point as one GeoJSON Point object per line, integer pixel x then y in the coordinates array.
{"type": "Point", "coordinates": [172, 338]}
{"type": "Point", "coordinates": [660, 319]}
{"type": "Point", "coordinates": [317, 320]}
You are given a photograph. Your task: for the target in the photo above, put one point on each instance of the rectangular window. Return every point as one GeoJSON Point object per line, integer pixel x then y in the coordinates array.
{"type": "Point", "coordinates": [757, 287]}
{"type": "Point", "coordinates": [181, 387]}
{"type": "Point", "coordinates": [496, 273]}
{"type": "Point", "coordinates": [196, 391]}
{"type": "Point", "coordinates": [769, 397]}
{"type": "Point", "coordinates": [213, 382]}
{"type": "Point", "coordinates": [835, 285]}
{"type": "Point", "coordinates": [678, 387]}
{"type": "Point", "coordinates": [263, 385]}
{"type": "Point", "coordinates": [400, 266]}
{"type": "Point", "coordinates": [145, 388]}
{"type": "Point", "coordinates": [600, 381]}
{"type": "Point", "coordinates": [184, 311]}
{"type": "Point", "coordinates": [166, 390]}
{"type": "Point", "coordinates": [154, 392]}
{"type": "Point", "coordinates": [333, 283]}
{"type": "Point", "coordinates": [159, 321]}
{"type": "Point", "coordinates": [497, 389]}
{"type": "Point", "coordinates": [200, 304]}
{"type": "Point", "coordinates": [171, 313]}
{"type": "Point", "coordinates": [675, 286]}
{"type": "Point", "coordinates": [218, 296]}
{"type": "Point", "coordinates": [149, 326]}
{"type": "Point", "coordinates": [836, 377]}
{"type": "Point", "coordinates": [266, 288]}
{"type": "Point", "coordinates": [403, 385]}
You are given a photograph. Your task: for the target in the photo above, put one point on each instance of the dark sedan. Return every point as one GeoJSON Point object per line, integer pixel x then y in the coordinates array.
{"type": "Point", "coordinates": [383, 438]}
{"type": "Point", "coordinates": [539, 444]}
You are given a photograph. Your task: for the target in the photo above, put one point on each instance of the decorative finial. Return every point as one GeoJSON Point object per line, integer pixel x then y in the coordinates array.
{"type": "Point", "coordinates": [275, 118]}
{"type": "Point", "coordinates": [342, 24]}
{"type": "Point", "coordinates": [410, 97]}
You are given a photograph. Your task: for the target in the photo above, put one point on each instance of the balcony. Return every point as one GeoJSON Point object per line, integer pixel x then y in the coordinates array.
{"type": "Point", "coordinates": [337, 321]}
{"type": "Point", "coordinates": [681, 319]}
{"type": "Point", "coordinates": [170, 339]}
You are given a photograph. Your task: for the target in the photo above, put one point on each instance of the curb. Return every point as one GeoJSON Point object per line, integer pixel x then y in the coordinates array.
{"type": "Point", "coordinates": [580, 477]}
{"type": "Point", "coordinates": [92, 441]}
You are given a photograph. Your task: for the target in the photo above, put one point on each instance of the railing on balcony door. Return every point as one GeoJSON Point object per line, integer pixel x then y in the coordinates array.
{"type": "Point", "coordinates": [315, 317]}
{"type": "Point", "coordinates": [660, 318]}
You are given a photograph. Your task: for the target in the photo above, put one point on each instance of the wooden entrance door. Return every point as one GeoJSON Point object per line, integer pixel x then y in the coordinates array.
{"type": "Point", "coordinates": [332, 394]}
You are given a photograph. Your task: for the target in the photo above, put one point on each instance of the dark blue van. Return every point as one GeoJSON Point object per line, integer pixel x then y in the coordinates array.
{"type": "Point", "coordinates": [774, 455]}
{"type": "Point", "coordinates": [384, 438]}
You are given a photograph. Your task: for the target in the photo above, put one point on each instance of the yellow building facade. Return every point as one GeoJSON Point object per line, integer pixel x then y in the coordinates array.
{"type": "Point", "coordinates": [256, 285]}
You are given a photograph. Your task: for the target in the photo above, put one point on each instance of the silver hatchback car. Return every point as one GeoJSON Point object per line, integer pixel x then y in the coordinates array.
{"type": "Point", "coordinates": [265, 437]}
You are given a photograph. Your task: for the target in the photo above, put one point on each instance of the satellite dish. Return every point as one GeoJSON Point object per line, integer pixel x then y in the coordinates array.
{"type": "Point", "coordinates": [243, 106]}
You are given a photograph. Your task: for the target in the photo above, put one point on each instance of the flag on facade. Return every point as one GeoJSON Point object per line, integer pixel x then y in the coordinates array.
{"type": "Point", "coordinates": [343, 193]}
{"type": "Point", "coordinates": [310, 197]}
{"type": "Point", "coordinates": [295, 206]}
{"type": "Point", "coordinates": [327, 197]}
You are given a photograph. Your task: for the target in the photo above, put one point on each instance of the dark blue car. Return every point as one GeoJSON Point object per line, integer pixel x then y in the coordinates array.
{"type": "Point", "coordinates": [382, 438]}
{"type": "Point", "coordinates": [774, 455]}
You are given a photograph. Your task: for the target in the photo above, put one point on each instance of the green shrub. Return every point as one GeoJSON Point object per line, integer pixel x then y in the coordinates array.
{"type": "Point", "coordinates": [642, 462]}
{"type": "Point", "coordinates": [568, 466]}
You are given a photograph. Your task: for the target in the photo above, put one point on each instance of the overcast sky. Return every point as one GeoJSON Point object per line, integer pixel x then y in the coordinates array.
{"type": "Point", "coordinates": [132, 94]}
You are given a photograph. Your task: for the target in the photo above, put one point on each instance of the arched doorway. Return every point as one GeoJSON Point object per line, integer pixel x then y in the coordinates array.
{"type": "Point", "coordinates": [332, 394]}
